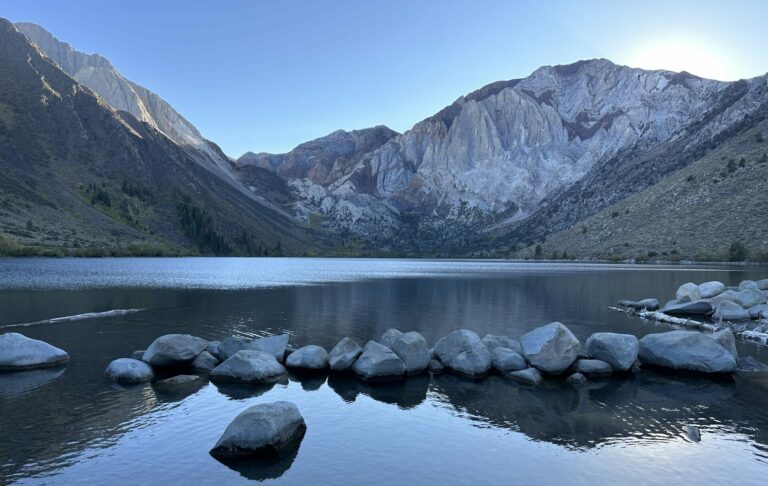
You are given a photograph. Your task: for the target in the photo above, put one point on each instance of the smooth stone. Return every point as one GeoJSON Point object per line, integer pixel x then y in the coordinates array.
{"type": "Point", "coordinates": [728, 295]}
{"type": "Point", "coordinates": [249, 366]}
{"type": "Point", "coordinates": [229, 346]}
{"type": "Point", "coordinates": [551, 348]}
{"type": "Point", "coordinates": [129, 371]}
{"type": "Point", "coordinates": [685, 351]}
{"type": "Point", "coordinates": [505, 360]}
{"type": "Point", "coordinates": [576, 379]}
{"type": "Point", "coordinates": [274, 345]}
{"type": "Point", "coordinates": [529, 376]}
{"type": "Point", "coordinates": [310, 357]}
{"type": "Point", "coordinates": [688, 292]}
{"type": "Point", "coordinates": [139, 355]}
{"type": "Point", "coordinates": [707, 290]}
{"type": "Point", "coordinates": [696, 308]}
{"type": "Point", "coordinates": [180, 381]}
{"type": "Point", "coordinates": [344, 354]}
{"type": "Point", "coordinates": [762, 284]}
{"type": "Point", "coordinates": [174, 350]}
{"type": "Point", "coordinates": [389, 337]}
{"type": "Point", "coordinates": [727, 340]}
{"type": "Point", "coordinates": [378, 361]}
{"type": "Point", "coordinates": [205, 362]}
{"type": "Point", "coordinates": [730, 311]}
{"type": "Point", "coordinates": [411, 347]}
{"type": "Point", "coordinates": [462, 351]}
{"type": "Point", "coordinates": [750, 364]}
{"type": "Point", "coordinates": [748, 284]}
{"type": "Point", "coordinates": [492, 342]}
{"type": "Point", "coordinates": [618, 350]}
{"type": "Point", "coordinates": [18, 352]}
{"type": "Point", "coordinates": [751, 297]}
{"type": "Point", "coordinates": [264, 430]}
{"type": "Point", "coordinates": [591, 367]}
{"type": "Point", "coordinates": [759, 311]}
{"type": "Point", "coordinates": [213, 348]}
{"type": "Point", "coordinates": [435, 366]}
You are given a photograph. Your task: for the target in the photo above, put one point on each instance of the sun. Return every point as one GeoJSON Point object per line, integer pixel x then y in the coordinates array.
{"type": "Point", "coordinates": [696, 57]}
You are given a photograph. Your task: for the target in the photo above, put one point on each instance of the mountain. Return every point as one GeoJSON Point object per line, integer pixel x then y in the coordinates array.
{"type": "Point", "coordinates": [79, 176]}
{"type": "Point", "coordinates": [517, 160]}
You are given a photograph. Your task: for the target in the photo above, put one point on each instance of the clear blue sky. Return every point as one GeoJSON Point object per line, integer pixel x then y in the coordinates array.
{"type": "Point", "coordinates": [267, 75]}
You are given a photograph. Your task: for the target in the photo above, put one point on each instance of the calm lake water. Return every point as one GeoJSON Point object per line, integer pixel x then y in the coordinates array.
{"type": "Point", "coordinates": [71, 426]}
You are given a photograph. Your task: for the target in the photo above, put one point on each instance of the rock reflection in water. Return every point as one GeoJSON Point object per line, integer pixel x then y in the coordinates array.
{"type": "Point", "coordinates": [259, 469]}
{"type": "Point", "coordinates": [406, 393]}
{"type": "Point", "coordinates": [14, 385]}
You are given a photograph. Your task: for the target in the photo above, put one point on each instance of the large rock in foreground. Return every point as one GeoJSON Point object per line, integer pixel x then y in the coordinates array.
{"type": "Point", "coordinates": [686, 351]}
{"type": "Point", "coordinates": [129, 371]}
{"type": "Point", "coordinates": [265, 430]}
{"type": "Point", "coordinates": [412, 348]}
{"type": "Point", "coordinates": [551, 348]}
{"type": "Point", "coordinates": [618, 350]}
{"type": "Point", "coordinates": [249, 366]}
{"type": "Point", "coordinates": [18, 352]}
{"type": "Point", "coordinates": [311, 357]}
{"type": "Point", "coordinates": [344, 354]}
{"type": "Point", "coordinates": [462, 351]}
{"type": "Point", "coordinates": [377, 362]}
{"type": "Point", "coordinates": [174, 350]}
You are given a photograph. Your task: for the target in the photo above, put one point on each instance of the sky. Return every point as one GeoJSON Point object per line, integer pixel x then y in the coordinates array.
{"type": "Point", "coordinates": [268, 75]}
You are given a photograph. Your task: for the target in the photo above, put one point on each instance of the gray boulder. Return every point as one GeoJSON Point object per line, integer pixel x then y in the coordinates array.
{"type": "Point", "coordinates": [648, 304]}
{"type": "Point", "coordinates": [411, 347]}
{"type": "Point", "coordinates": [685, 351]}
{"type": "Point", "coordinates": [138, 354]}
{"type": "Point", "coordinates": [762, 284]}
{"type": "Point", "coordinates": [618, 350]}
{"type": "Point", "coordinates": [228, 347]}
{"type": "Point", "coordinates": [492, 342]}
{"type": "Point", "coordinates": [274, 345]}
{"type": "Point", "coordinates": [378, 361]}
{"type": "Point", "coordinates": [344, 354]}
{"type": "Point", "coordinates": [129, 371]}
{"type": "Point", "coordinates": [591, 368]}
{"type": "Point", "coordinates": [707, 290]}
{"type": "Point", "coordinates": [174, 350]}
{"type": "Point", "coordinates": [551, 348]}
{"type": "Point", "coordinates": [528, 376]}
{"type": "Point", "coordinates": [205, 362]}
{"type": "Point", "coordinates": [505, 360]}
{"type": "Point", "coordinates": [213, 348]}
{"type": "Point", "coordinates": [759, 311]}
{"type": "Point", "coordinates": [389, 337]}
{"type": "Point", "coordinates": [263, 430]}
{"type": "Point", "coordinates": [730, 311]}
{"type": "Point", "coordinates": [311, 357]}
{"type": "Point", "coordinates": [729, 295]}
{"type": "Point", "coordinates": [751, 297]}
{"type": "Point", "coordinates": [688, 292]}
{"type": "Point", "coordinates": [695, 308]}
{"type": "Point", "coordinates": [748, 284]}
{"type": "Point", "coordinates": [462, 351]}
{"type": "Point", "coordinates": [18, 352]}
{"type": "Point", "coordinates": [727, 340]}
{"type": "Point", "coordinates": [576, 379]}
{"type": "Point", "coordinates": [249, 366]}
{"type": "Point", "coordinates": [435, 366]}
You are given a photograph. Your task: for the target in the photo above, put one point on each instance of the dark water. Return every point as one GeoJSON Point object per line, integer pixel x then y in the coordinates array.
{"type": "Point", "coordinates": [71, 426]}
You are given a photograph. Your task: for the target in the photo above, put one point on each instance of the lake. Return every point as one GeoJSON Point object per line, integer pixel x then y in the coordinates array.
{"type": "Point", "coordinates": [72, 426]}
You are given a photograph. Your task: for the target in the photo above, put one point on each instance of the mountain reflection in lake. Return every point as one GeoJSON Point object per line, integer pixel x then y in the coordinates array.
{"type": "Point", "coordinates": [71, 426]}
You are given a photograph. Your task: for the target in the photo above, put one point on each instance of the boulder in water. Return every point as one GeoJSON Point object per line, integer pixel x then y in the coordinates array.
{"type": "Point", "coordinates": [389, 337]}
{"type": "Point", "coordinates": [686, 351]}
{"type": "Point", "coordinates": [762, 284]}
{"type": "Point", "coordinates": [411, 347]}
{"type": "Point", "coordinates": [492, 342]}
{"type": "Point", "coordinates": [435, 366]}
{"type": "Point", "coordinates": [727, 340]}
{"type": "Point", "coordinates": [506, 360]}
{"type": "Point", "coordinates": [205, 362]}
{"type": "Point", "coordinates": [730, 311]}
{"type": "Point", "coordinates": [618, 350]}
{"type": "Point", "coordinates": [707, 290]}
{"type": "Point", "coordinates": [591, 367]}
{"type": "Point", "coordinates": [139, 354]}
{"type": "Point", "coordinates": [249, 366]}
{"type": "Point", "coordinates": [462, 351]}
{"type": "Point", "coordinates": [551, 348]}
{"type": "Point", "coordinates": [18, 352]}
{"type": "Point", "coordinates": [174, 350]}
{"type": "Point", "coordinates": [129, 371]}
{"type": "Point", "coordinates": [695, 308]}
{"type": "Point", "coordinates": [274, 345]}
{"type": "Point", "coordinates": [759, 311]}
{"type": "Point", "coordinates": [228, 347]}
{"type": "Point", "coordinates": [265, 430]}
{"type": "Point", "coordinates": [748, 284]}
{"type": "Point", "coordinates": [344, 354]}
{"type": "Point", "coordinates": [377, 362]}
{"type": "Point", "coordinates": [751, 297]}
{"type": "Point", "coordinates": [311, 357]}
{"type": "Point", "coordinates": [688, 292]}
{"type": "Point", "coordinates": [213, 348]}
{"type": "Point", "coordinates": [528, 376]}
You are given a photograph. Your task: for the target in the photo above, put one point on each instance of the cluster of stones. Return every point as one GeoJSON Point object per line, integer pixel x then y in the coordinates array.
{"type": "Point", "coordinates": [732, 304]}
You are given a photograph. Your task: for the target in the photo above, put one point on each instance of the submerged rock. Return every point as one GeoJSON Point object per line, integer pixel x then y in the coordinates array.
{"type": "Point", "coordinates": [249, 366]}
{"type": "Point", "coordinates": [688, 292]}
{"type": "Point", "coordinates": [411, 347]}
{"type": "Point", "coordinates": [389, 337]}
{"type": "Point", "coordinates": [174, 350]}
{"type": "Point", "coordinates": [378, 361]}
{"type": "Point", "coordinates": [505, 360]}
{"type": "Point", "coordinates": [129, 371]}
{"type": "Point", "coordinates": [696, 308]}
{"type": "Point", "coordinates": [462, 351]}
{"type": "Point", "coordinates": [529, 376]}
{"type": "Point", "coordinates": [707, 290]}
{"type": "Point", "coordinates": [730, 311]}
{"type": "Point", "coordinates": [492, 342]}
{"type": "Point", "coordinates": [311, 357]}
{"type": "Point", "coordinates": [686, 351]}
{"type": "Point", "coordinates": [18, 352]}
{"type": "Point", "coordinates": [274, 345]}
{"type": "Point", "coordinates": [205, 362]}
{"type": "Point", "coordinates": [551, 348]}
{"type": "Point", "coordinates": [591, 367]}
{"type": "Point", "coordinates": [264, 430]}
{"type": "Point", "coordinates": [344, 354]}
{"type": "Point", "coordinates": [618, 350]}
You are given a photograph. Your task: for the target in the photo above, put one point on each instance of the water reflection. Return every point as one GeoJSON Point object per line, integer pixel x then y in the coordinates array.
{"type": "Point", "coordinates": [14, 385]}
{"type": "Point", "coordinates": [405, 394]}
{"type": "Point", "coordinates": [256, 469]}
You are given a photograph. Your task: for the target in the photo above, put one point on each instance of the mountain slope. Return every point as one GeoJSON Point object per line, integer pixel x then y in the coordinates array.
{"type": "Point", "coordinates": [77, 174]}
